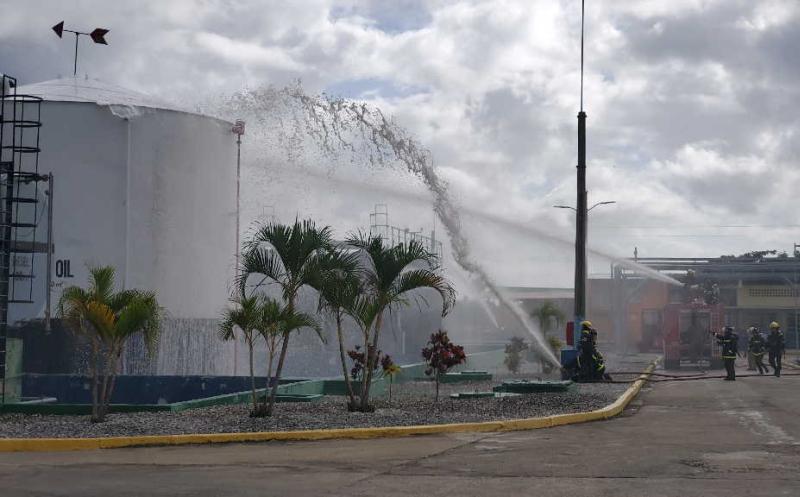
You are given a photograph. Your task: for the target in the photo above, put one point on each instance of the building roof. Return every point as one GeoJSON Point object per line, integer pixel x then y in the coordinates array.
{"type": "Point", "coordinates": [536, 293]}
{"type": "Point", "coordinates": [75, 89]}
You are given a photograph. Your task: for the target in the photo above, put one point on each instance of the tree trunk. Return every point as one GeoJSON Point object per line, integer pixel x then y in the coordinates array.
{"type": "Point", "coordinates": [348, 384]}
{"type": "Point", "coordinates": [372, 353]}
{"type": "Point", "coordinates": [270, 358]}
{"type": "Point", "coordinates": [437, 385]}
{"type": "Point", "coordinates": [250, 345]}
{"type": "Point", "coordinates": [281, 359]}
{"type": "Point", "coordinates": [102, 409]}
{"type": "Point", "coordinates": [363, 391]}
{"type": "Point", "coordinates": [112, 369]}
{"type": "Point", "coordinates": [95, 361]}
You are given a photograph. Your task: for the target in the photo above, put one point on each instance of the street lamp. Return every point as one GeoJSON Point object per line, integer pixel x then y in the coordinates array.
{"type": "Point", "coordinates": [587, 210]}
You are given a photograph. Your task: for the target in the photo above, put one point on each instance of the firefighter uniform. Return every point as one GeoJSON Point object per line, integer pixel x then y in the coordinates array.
{"type": "Point", "coordinates": [591, 364]}
{"type": "Point", "coordinates": [729, 343]}
{"type": "Point", "coordinates": [776, 347]}
{"type": "Point", "coordinates": [756, 348]}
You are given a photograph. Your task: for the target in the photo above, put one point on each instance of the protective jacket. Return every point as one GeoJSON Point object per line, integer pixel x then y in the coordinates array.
{"type": "Point", "coordinates": [757, 345]}
{"type": "Point", "coordinates": [729, 343]}
{"type": "Point", "coordinates": [775, 342]}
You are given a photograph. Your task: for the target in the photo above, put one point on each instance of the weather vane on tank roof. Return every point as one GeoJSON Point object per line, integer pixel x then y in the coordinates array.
{"type": "Point", "coordinates": [97, 36]}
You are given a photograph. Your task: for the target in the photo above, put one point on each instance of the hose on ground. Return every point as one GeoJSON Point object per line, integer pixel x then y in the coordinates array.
{"type": "Point", "coordinates": [688, 378]}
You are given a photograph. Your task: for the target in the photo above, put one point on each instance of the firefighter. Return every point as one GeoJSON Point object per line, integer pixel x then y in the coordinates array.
{"type": "Point", "coordinates": [591, 364]}
{"type": "Point", "coordinates": [756, 347]}
{"type": "Point", "coordinates": [776, 347]}
{"type": "Point", "coordinates": [728, 340]}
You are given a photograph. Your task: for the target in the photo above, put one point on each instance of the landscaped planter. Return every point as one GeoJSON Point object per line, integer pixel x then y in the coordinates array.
{"type": "Point", "coordinates": [481, 395]}
{"type": "Point", "coordinates": [533, 386]}
{"type": "Point", "coordinates": [465, 376]}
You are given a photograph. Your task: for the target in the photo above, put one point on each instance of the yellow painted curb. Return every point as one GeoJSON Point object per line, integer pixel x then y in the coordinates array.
{"type": "Point", "coordinates": [65, 444]}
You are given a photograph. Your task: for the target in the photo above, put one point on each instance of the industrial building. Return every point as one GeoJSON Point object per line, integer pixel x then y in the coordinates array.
{"type": "Point", "coordinates": [629, 309]}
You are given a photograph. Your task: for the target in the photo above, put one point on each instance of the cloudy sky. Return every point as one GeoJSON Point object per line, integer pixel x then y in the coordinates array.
{"type": "Point", "coordinates": [692, 104]}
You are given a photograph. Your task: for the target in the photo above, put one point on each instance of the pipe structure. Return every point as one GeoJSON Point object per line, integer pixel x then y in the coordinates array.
{"type": "Point", "coordinates": [49, 283]}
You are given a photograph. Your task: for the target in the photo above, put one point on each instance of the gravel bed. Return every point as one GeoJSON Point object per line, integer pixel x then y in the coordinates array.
{"type": "Point", "coordinates": [412, 403]}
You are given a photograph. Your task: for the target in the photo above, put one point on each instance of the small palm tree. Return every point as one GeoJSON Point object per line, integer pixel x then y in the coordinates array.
{"type": "Point", "coordinates": [111, 319]}
{"type": "Point", "coordinates": [546, 313]}
{"type": "Point", "coordinates": [290, 257]}
{"type": "Point", "coordinates": [340, 293]}
{"type": "Point", "coordinates": [275, 323]}
{"type": "Point", "coordinates": [246, 318]}
{"type": "Point", "coordinates": [390, 275]}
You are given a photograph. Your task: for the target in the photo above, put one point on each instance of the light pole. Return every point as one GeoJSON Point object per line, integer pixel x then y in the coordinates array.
{"type": "Point", "coordinates": [580, 246]}
{"type": "Point", "coordinates": [581, 211]}
{"type": "Point", "coordinates": [587, 210]}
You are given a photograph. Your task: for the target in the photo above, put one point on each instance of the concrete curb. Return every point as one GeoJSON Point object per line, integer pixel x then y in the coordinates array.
{"type": "Point", "coordinates": [67, 444]}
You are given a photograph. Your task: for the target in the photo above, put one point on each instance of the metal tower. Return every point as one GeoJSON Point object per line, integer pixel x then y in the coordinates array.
{"type": "Point", "coordinates": [20, 212]}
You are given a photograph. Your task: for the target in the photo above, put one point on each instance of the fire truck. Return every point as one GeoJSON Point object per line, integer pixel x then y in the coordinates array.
{"type": "Point", "coordinates": [688, 338]}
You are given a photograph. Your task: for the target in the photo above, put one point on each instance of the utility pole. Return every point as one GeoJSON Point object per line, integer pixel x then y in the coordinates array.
{"type": "Point", "coordinates": [582, 212]}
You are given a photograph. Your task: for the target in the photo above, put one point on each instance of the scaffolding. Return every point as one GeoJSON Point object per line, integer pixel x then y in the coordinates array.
{"type": "Point", "coordinates": [379, 226]}
{"type": "Point", "coordinates": [20, 210]}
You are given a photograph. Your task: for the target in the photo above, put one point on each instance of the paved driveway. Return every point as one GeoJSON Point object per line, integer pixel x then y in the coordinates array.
{"type": "Point", "coordinates": [703, 438]}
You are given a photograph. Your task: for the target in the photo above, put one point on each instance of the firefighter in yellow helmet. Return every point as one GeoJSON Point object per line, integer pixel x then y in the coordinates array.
{"type": "Point", "coordinates": [591, 364]}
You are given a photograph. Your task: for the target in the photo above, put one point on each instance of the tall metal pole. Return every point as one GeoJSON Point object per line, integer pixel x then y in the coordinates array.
{"type": "Point", "coordinates": [582, 212]}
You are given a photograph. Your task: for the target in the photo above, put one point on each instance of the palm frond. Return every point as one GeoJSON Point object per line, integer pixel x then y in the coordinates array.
{"type": "Point", "coordinates": [101, 283]}
{"type": "Point", "coordinates": [260, 261]}
{"type": "Point", "coordinates": [416, 279]}
{"type": "Point", "coordinates": [294, 321]}
{"type": "Point", "coordinates": [102, 319]}
{"type": "Point", "coordinates": [244, 315]}
{"type": "Point", "coordinates": [141, 314]}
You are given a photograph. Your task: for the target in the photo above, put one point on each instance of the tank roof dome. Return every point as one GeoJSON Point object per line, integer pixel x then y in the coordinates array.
{"type": "Point", "coordinates": [76, 89]}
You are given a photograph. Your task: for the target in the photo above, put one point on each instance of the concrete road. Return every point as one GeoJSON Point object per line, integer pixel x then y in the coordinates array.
{"type": "Point", "coordinates": [704, 438]}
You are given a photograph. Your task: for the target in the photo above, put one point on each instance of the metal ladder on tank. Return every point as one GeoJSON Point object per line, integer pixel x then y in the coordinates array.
{"type": "Point", "coordinates": [20, 123]}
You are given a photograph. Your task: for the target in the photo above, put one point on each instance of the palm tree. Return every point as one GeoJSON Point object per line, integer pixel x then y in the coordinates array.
{"type": "Point", "coordinates": [290, 257]}
{"type": "Point", "coordinates": [246, 317]}
{"type": "Point", "coordinates": [342, 295]}
{"type": "Point", "coordinates": [275, 323]}
{"type": "Point", "coordinates": [546, 313]}
{"type": "Point", "coordinates": [111, 318]}
{"type": "Point", "coordinates": [389, 275]}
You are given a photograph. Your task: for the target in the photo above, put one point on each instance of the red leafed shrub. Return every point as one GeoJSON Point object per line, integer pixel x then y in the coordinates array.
{"type": "Point", "coordinates": [440, 355]}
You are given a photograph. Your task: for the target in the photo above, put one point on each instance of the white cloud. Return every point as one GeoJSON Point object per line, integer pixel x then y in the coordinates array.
{"type": "Point", "coordinates": [690, 102]}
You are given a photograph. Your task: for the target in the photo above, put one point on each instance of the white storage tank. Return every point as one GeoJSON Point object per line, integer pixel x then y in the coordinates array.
{"type": "Point", "coordinates": [141, 185]}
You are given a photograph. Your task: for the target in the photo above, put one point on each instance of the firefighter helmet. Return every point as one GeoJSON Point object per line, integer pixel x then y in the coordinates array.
{"type": "Point", "coordinates": [774, 325]}
{"type": "Point", "coordinates": [586, 325]}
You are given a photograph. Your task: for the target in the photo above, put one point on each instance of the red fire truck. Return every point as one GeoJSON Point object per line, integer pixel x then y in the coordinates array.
{"type": "Point", "coordinates": [688, 339]}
